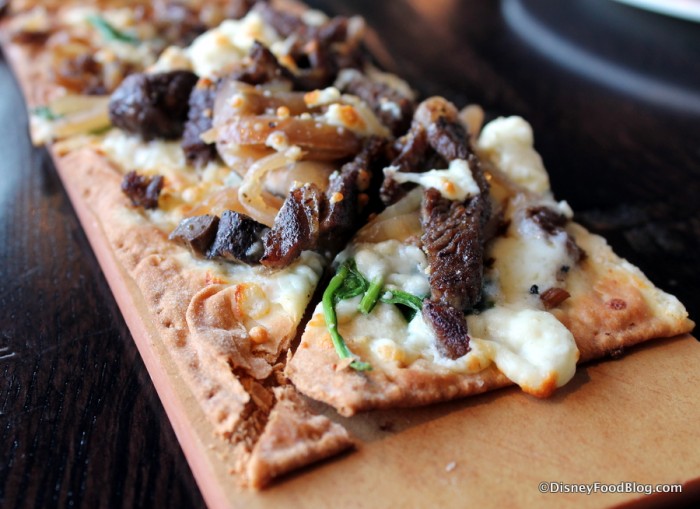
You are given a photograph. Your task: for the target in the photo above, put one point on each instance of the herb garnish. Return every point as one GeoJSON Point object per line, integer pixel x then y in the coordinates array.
{"type": "Point", "coordinates": [371, 296]}
{"type": "Point", "coordinates": [347, 283]}
{"type": "Point", "coordinates": [401, 298]}
{"type": "Point", "coordinates": [109, 32]}
{"type": "Point", "coordinates": [46, 113]}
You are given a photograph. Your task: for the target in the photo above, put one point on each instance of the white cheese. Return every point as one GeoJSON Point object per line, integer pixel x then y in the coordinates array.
{"type": "Point", "coordinates": [354, 114]}
{"type": "Point", "coordinates": [132, 153]}
{"type": "Point", "coordinates": [454, 183]}
{"type": "Point", "coordinates": [509, 144]}
{"type": "Point", "coordinates": [322, 97]}
{"type": "Point", "coordinates": [172, 59]}
{"type": "Point", "coordinates": [400, 266]}
{"type": "Point", "coordinates": [526, 255]}
{"type": "Point", "coordinates": [523, 261]}
{"type": "Point", "coordinates": [219, 48]}
{"type": "Point", "coordinates": [532, 348]}
{"type": "Point", "coordinates": [313, 17]}
{"type": "Point", "coordinates": [289, 289]}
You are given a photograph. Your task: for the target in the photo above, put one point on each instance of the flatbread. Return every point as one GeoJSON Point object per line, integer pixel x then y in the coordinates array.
{"type": "Point", "coordinates": [207, 320]}
{"type": "Point", "coordinates": [612, 306]}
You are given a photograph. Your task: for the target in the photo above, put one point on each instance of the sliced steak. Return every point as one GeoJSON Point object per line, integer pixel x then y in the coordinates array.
{"type": "Point", "coordinates": [453, 243]}
{"type": "Point", "coordinates": [412, 152]}
{"type": "Point", "coordinates": [393, 108]}
{"type": "Point", "coordinates": [200, 120]}
{"type": "Point", "coordinates": [153, 105]}
{"type": "Point", "coordinates": [143, 191]}
{"type": "Point", "coordinates": [261, 66]}
{"type": "Point", "coordinates": [450, 327]}
{"type": "Point", "coordinates": [296, 226]}
{"type": "Point", "coordinates": [319, 51]}
{"type": "Point", "coordinates": [197, 233]}
{"type": "Point", "coordinates": [347, 196]}
{"type": "Point", "coordinates": [238, 239]}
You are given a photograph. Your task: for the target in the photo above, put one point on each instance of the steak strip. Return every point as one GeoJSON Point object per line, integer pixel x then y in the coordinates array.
{"type": "Point", "coordinates": [453, 232]}
{"type": "Point", "coordinates": [319, 52]}
{"type": "Point", "coordinates": [310, 219]}
{"type": "Point", "coordinates": [391, 107]}
{"type": "Point", "coordinates": [143, 191]}
{"type": "Point", "coordinates": [152, 105]}
{"type": "Point", "coordinates": [296, 228]}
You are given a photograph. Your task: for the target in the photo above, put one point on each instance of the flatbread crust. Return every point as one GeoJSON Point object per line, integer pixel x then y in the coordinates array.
{"type": "Point", "coordinates": [237, 382]}
{"type": "Point", "coordinates": [612, 306]}
{"type": "Point", "coordinates": [199, 321]}
{"type": "Point", "coordinates": [269, 426]}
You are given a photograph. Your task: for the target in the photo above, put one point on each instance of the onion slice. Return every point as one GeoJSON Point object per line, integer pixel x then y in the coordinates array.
{"type": "Point", "coordinates": [251, 194]}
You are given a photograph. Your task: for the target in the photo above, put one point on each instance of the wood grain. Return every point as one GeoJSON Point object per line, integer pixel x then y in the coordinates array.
{"type": "Point", "coordinates": [80, 423]}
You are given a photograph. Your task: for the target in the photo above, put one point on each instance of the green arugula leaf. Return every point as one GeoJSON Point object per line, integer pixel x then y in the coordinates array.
{"type": "Point", "coordinates": [45, 113]}
{"type": "Point", "coordinates": [353, 285]}
{"type": "Point", "coordinates": [401, 298]}
{"type": "Point", "coordinates": [346, 283]}
{"type": "Point", "coordinates": [109, 32]}
{"type": "Point", "coordinates": [369, 300]}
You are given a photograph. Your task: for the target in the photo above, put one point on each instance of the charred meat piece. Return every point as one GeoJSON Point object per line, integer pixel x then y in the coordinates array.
{"type": "Point", "coordinates": [549, 220]}
{"type": "Point", "coordinates": [153, 105]}
{"type": "Point", "coordinates": [319, 52]}
{"type": "Point", "coordinates": [196, 232]}
{"type": "Point", "coordinates": [450, 327]}
{"type": "Point", "coordinates": [310, 219]}
{"type": "Point", "coordinates": [393, 108]}
{"type": "Point", "coordinates": [346, 194]}
{"type": "Point", "coordinates": [296, 227]}
{"type": "Point", "coordinates": [454, 246]}
{"type": "Point", "coordinates": [239, 238]}
{"type": "Point", "coordinates": [261, 66]}
{"type": "Point", "coordinates": [179, 22]}
{"type": "Point", "coordinates": [454, 232]}
{"type": "Point", "coordinates": [143, 191]}
{"type": "Point", "coordinates": [199, 120]}
{"type": "Point", "coordinates": [412, 151]}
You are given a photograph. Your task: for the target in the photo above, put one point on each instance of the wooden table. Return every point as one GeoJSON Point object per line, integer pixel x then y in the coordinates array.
{"type": "Point", "coordinates": [613, 94]}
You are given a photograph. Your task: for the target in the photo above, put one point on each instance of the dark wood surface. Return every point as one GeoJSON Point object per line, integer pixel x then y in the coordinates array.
{"type": "Point", "coordinates": [613, 94]}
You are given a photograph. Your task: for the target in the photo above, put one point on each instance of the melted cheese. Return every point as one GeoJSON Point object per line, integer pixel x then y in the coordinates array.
{"type": "Point", "coordinates": [509, 144]}
{"type": "Point", "coordinates": [400, 266]}
{"type": "Point", "coordinates": [219, 48]}
{"type": "Point", "coordinates": [529, 345]}
{"type": "Point", "coordinates": [454, 183]}
{"type": "Point", "coordinates": [354, 114]}
{"type": "Point", "coordinates": [290, 289]}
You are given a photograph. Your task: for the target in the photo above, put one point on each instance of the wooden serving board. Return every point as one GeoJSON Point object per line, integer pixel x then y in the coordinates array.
{"type": "Point", "coordinates": [633, 419]}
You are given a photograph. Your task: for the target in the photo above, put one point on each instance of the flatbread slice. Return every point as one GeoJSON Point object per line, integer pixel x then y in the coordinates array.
{"type": "Point", "coordinates": [597, 306]}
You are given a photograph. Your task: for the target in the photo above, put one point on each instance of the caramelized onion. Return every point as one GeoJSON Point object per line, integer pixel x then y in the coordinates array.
{"type": "Point", "coordinates": [258, 203]}
{"type": "Point", "coordinates": [217, 203]}
{"type": "Point", "coordinates": [235, 98]}
{"type": "Point", "coordinates": [321, 142]}
{"type": "Point", "coordinates": [394, 228]}
{"type": "Point", "coordinates": [472, 117]}
{"type": "Point", "coordinates": [280, 180]}
{"type": "Point", "coordinates": [79, 114]}
{"type": "Point", "coordinates": [398, 221]}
